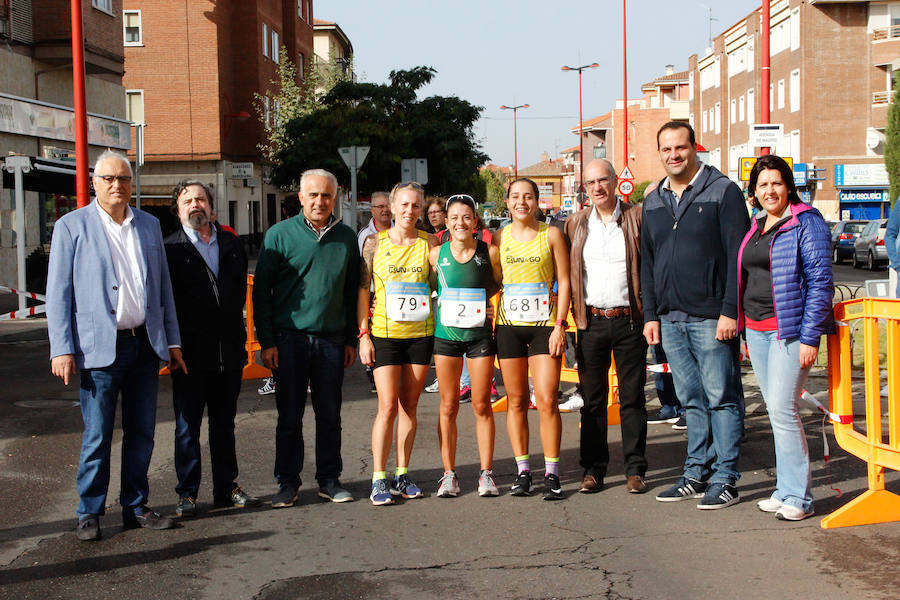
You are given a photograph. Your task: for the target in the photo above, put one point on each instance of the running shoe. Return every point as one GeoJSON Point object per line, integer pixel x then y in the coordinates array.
{"type": "Point", "coordinates": [380, 495]}
{"type": "Point", "coordinates": [523, 485]}
{"type": "Point", "coordinates": [721, 495]}
{"type": "Point", "coordinates": [684, 489]}
{"type": "Point", "coordinates": [769, 505]}
{"type": "Point", "coordinates": [402, 485]}
{"type": "Point", "coordinates": [448, 486]}
{"type": "Point", "coordinates": [268, 387]}
{"type": "Point", "coordinates": [575, 402]}
{"type": "Point", "coordinates": [486, 485]}
{"type": "Point", "coordinates": [680, 424]}
{"type": "Point", "coordinates": [666, 414]}
{"type": "Point", "coordinates": [495, 395]}
{"type": "Point", "coordinates": [465, 393]}
{"type": "Point", "coordinates": [788, 512]}
{"type": "Point", "coordinates": [552, 487]}
{"type": "Point", "coordinates": [432, 387]}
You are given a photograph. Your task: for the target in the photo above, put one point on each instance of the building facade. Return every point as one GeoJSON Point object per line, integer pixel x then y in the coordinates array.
{"type": "Point", "coordinates": [831, 66]}
{"type": "Point", "coordinates": [37, 120]}
{"type": "Point", "coordinates": [192, 69]}
{"type": "Point", "coordinates": [332, 49]}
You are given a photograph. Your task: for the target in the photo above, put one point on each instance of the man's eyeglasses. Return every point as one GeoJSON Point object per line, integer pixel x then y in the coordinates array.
{"type": "Point", "coordinates": [464, 198]}
{"type": "Point", "coordinates": [110, 178]}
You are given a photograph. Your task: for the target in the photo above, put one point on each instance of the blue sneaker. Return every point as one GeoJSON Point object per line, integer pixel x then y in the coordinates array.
{"type": "Point", "coordinates": [666, 414]}
{"type": "Point", "coordinates": [719, 495]}
{"type": "Point", "coordinates": [380, 495]}
{"type": "Point", "coordinates": [402, 485]}
{"type": "Point", "coordinates": [684, 489]}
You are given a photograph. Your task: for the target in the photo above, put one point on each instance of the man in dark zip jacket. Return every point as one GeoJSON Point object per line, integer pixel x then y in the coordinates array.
{"type": "Point", "coordinates": [208, 268]}
{"type": "Point", "coordinates": [692, 228]}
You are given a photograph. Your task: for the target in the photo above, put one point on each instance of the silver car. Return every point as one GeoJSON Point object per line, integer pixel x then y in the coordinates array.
{"type": "Point", "coordinates": [869, 249]}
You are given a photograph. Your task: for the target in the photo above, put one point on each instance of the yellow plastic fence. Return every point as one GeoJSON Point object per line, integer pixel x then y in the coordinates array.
{"type": "Point", "coordinates": [875, 505]}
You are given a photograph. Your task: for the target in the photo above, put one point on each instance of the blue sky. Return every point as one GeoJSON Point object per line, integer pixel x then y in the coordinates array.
{"type": "Point", "coordinates": [495, 52]}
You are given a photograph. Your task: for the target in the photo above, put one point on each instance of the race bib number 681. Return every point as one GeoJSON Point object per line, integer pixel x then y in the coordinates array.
{"type": "Point", "coordinates": [526, 302]}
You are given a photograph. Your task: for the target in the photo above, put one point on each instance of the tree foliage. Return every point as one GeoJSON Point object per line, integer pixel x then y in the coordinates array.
{"type": "Point", "coordinates": [391, 120]}
{"type": "Point", "coordinates": [286, 99]}
{"type": "Point", "coordinates": [489, 187]}
{"type": "Point", "coordinates": [892, 143]}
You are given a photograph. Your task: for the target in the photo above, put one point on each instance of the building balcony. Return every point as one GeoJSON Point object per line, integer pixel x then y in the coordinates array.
{"type": "Point", "coordinates": [886, 33]}
{"type": "Point", "coordinates": [883, 97]}
{"type": "Point", "coordinates": [680, 110]}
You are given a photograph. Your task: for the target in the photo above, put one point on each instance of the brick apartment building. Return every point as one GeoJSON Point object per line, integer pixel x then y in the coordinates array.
{"type": "Point", "coordinates": [37, 120]}
{"type": "Point", "coordinates": [191, 71]}
{"type": "Point", "coordinates": [831, 70]}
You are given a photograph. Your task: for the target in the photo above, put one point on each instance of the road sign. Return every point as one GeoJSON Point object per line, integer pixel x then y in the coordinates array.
{"type": "Point", "coordinates": [747, 162]}
{"type": "Point", "coordinates": [414, 169]}
{"type": "Point", "coordinates": [766, 135]}
{"type": "Point", "coordinates": [626, 174]}
{"type": "Point", "coordinates": [626, 186]}
{"type": "Point", "coordinates": [354, 156]}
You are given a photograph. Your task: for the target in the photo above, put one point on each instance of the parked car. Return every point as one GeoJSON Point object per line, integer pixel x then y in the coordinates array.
{"type": "Point", "coordinates": [869, 249]}
{"type": "Point", "coordinates": [843, 234]}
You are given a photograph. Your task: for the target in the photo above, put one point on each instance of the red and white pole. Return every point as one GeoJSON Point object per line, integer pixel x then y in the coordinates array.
{"type": "Point", "coordinates": [764, 108]}
{"type": "Point", "coordinates": [80, 105]}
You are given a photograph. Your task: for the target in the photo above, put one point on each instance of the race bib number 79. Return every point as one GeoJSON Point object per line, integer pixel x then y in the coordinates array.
{"type": "Point", "coordinates": [526, 302]}
{"type": "Point", "coordinates": [407, 301]}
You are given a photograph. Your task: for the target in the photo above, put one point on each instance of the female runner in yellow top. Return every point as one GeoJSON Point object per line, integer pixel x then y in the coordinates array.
{"type": "Point", "coordinates": [531, 330]}
{"type": "Point", "coordinates": [399, 343]}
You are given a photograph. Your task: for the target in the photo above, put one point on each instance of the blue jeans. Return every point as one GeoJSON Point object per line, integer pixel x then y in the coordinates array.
{"type": "Point", "coordinates": [306, 360]}
{"type": "Point", "coordinates": [777, 367]}
{"type": "Point", "coordinates": [134, 374]}
{"type": "Point", "coordinates": [708, 383]}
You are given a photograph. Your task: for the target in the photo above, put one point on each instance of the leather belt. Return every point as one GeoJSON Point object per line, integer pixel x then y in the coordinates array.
{"type": "Point", "coordinates": [610, 313]}
{"type": "Point", "coordinates": [139, 331]}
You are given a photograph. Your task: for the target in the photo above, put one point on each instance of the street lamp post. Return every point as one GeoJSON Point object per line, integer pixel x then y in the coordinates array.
{"type": "Point", "coordinates": [515, 109]}
{"type": "Point", "coordinates": [580, 125]}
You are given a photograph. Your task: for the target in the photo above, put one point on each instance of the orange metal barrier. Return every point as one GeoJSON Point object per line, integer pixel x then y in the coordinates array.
{"type": "Point", "coordinates": [875, 505]}
{"type": "Point", "coordinates": [252, 370]}
{"type": "Point", "coordinates": [571, 376]}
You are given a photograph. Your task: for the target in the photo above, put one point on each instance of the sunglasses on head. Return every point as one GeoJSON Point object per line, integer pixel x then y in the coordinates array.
{"type": "Point", "coordinates": [464, 198]}
{"type": "Point", "coordinates": [413, 184]}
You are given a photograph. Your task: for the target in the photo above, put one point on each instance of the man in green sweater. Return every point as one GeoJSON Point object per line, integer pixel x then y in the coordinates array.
{"type": "Point", "coordinates": [304, 300]}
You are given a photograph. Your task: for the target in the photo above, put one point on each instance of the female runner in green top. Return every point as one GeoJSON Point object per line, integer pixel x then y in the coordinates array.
{"type": "Point", "coordinates": [468, 274]}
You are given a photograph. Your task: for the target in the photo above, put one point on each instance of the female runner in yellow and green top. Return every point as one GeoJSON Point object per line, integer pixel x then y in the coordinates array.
{"type": "Point", "coordinates": [399, 343]}
{"type": "Point", "coordinates": [468, 274]}
{"type": "Point", "coordinates": [531, 331]}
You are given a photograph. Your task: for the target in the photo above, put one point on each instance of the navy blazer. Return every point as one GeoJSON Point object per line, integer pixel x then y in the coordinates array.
{"type": "Point", "coordinates": [82, 289]}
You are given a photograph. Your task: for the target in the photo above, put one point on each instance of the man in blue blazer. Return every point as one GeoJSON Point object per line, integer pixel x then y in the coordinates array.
{"type": "Point", "coordinates": [111, 315]}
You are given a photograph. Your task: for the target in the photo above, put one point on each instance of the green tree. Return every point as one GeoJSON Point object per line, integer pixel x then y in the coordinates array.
{"type": "Point", "coordinates": [391, 120]}
{"type": "Point", "coordinates": [892, 143]}
{"type": "Point", "coordinates": [286, 98]}
{"type": "Point", "coordinates": [637, 196]}
{"type": "Point", "coordinates": [490, 188]}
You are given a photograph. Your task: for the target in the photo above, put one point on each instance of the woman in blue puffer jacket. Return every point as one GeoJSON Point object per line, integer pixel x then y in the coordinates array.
{"type": "Point", "coordinates": [785, 288]}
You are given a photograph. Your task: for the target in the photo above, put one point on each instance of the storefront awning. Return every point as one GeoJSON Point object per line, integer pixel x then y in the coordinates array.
{"type": "Point", "coordinates": [51, 176]}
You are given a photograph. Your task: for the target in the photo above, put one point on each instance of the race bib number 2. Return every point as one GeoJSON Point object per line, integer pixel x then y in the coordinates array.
{"type": "Point", "coordinates": [526, 302]}
{"type": "Point", "coordinates": [407, 301]}
{"type": "Point", "coordinates": [463, 307]}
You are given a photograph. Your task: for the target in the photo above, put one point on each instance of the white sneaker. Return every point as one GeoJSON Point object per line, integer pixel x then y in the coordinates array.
{"type": "Point", "coordinates": [432, 387]}
{"type": "Point", "coordinates": [268, 387]}
{"type": "Point", "coordinates": [793, 513]}
{"type": "Point", "coordinates": [769, 505]}
{"type": "Point", "coordinates": [486, 485]}
{"type": "Point", "coordinates": [448, 486]}
{"type": "Point", "coordinates": [575, 402]}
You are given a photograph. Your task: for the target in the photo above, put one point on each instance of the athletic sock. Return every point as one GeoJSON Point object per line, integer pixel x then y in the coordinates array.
{"type": "Point", "coordinates": [522, 463]}
{"type": "Point", "coordinates": [379, 475]}
{"type": "Point", "coordinates": [401, 471]}
{"type": "Point", "coordinates": [551, 466]}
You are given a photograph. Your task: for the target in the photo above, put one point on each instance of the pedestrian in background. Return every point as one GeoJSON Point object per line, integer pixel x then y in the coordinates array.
{"type": "Point", "coordinates": [892, 245]}
{"type": "Point", "coordinates": [111, 315]}
{"type": "Point", "coordinates": [785, 292]}
{"type": "Point", "coordinates": [208, 268]}
{"type": "Point", "coordinates": [435, 213]}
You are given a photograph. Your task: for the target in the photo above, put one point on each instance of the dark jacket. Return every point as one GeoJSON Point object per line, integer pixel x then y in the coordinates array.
{"type": "Point", "coordinates": [576, 234]}
{"type": "Point", "coordinates": [689, 258]}
{"type": "Point", "coordinates": [210, 309]}
{"type": "Point", "coordinates": [802, 280]}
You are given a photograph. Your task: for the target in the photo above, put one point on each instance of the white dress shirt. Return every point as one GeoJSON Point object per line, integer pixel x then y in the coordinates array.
{"type": "Point", "coordinates": [128, 262]}
{"type": "Point", "coordinates": [605, 266]}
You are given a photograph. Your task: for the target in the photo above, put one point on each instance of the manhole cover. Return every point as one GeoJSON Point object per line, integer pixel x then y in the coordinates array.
{"type": "Point", "coordinates": [46, 403]}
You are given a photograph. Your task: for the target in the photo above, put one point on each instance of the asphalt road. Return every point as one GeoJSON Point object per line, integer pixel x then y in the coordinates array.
{"type": "Point", "coordinates": [607, 545]}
